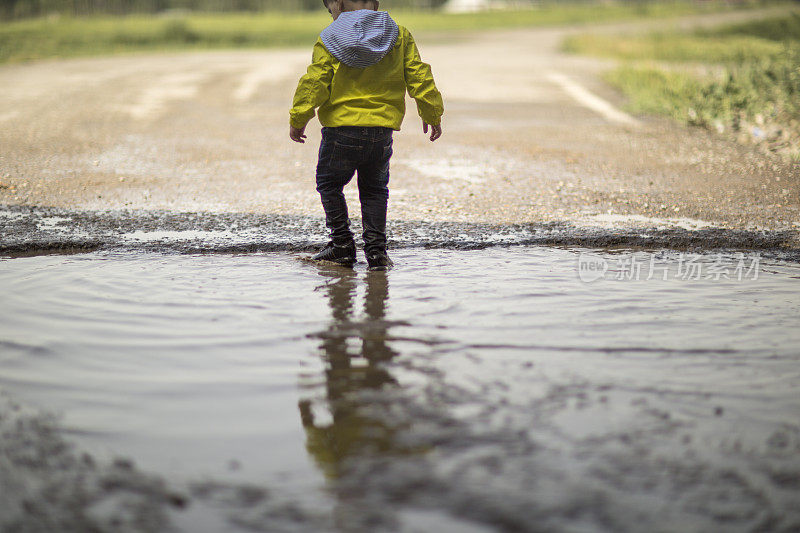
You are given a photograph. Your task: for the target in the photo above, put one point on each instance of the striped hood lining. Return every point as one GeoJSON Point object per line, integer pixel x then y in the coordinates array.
{"type": "Point", "coordinates": [360, 38]}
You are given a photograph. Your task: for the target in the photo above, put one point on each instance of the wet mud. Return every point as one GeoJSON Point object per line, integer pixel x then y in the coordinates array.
{"type": "Point", "coordinates": [48, 485]}
{"type": "Point", "coordinates": [28, 231]}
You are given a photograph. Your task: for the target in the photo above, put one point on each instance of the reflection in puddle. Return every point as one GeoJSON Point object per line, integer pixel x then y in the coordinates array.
{"type": "Point", "coordinates": [354, 352]}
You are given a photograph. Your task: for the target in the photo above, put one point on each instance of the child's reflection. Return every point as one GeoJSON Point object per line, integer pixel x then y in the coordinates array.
{"type": "Point", "coordinates": [353, 350]}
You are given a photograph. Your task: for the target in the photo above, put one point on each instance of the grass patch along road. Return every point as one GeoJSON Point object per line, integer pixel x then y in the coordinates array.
{"type": "Point", "coordinates": [68, 37]}
{"type": "Point", "coordinates": [743, 79]}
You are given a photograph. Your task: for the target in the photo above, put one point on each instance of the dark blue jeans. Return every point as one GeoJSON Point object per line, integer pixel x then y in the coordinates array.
{"type": "Point", "coordinates": [343, 152]}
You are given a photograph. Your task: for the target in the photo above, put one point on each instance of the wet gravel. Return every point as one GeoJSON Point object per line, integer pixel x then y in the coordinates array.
{"type": "Point", "coordinates": [33, 230]}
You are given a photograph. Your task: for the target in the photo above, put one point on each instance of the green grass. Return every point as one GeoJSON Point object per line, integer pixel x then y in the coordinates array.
{"type": "Point", "coordinates": [740, 78]}
{"type": "Point", "coordinates": [769, 88]}
{"type": "Point", "coordinates": [68, 37]}
{"type": "Point", "coordinates": [674, 47]}
{"type": "Point", "coordinates": [776, 29]}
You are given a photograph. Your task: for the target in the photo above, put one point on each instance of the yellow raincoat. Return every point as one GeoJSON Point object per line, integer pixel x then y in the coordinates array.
{"type": "Point", "coordinates": [371, 96]}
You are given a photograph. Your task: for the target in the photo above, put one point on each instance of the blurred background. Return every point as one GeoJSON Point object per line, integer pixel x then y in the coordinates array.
{"type": "Point", "coordinates": [16, 9]}
{"type": "Point", "coordinates": [730, 66]}
{"type": "Point", "coordinates": [12, 9]}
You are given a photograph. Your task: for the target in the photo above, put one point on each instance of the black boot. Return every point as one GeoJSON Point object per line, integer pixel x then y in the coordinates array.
{"type": "Point", "coordinates": [378, 260]}
{"type": "Point", "coordinates": [340, 254]}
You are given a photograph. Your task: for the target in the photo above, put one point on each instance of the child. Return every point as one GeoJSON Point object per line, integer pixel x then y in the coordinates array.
{"type": "Point", "coordinates": [361, 67]}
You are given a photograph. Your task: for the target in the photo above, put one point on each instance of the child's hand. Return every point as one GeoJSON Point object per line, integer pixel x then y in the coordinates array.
{"type": "Point", "coordinates": [436, 131]}
{"type": "Point", "coordinates": [297, 134]}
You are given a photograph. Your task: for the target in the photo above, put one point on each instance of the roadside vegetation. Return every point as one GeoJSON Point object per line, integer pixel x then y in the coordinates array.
{"type": "Point", "coordinates": [59, 35]}
{"type": "Point", "coordinates": [741, 80]}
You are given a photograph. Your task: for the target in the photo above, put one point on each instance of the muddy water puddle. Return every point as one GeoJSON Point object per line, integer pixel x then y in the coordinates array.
{"type": "Point", "coordinates": [504, 389]}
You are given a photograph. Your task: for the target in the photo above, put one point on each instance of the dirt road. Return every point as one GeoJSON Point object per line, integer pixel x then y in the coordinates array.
{"type": "Point", "coordinates": [531, 135]}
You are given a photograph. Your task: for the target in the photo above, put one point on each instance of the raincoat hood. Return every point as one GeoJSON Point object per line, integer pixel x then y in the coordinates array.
{"type": "Point", "coordinates": [360, 38]}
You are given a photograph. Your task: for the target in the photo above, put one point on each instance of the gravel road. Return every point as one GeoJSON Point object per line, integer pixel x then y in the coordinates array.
{"type": "Point", "coordinates": [532, 135]}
